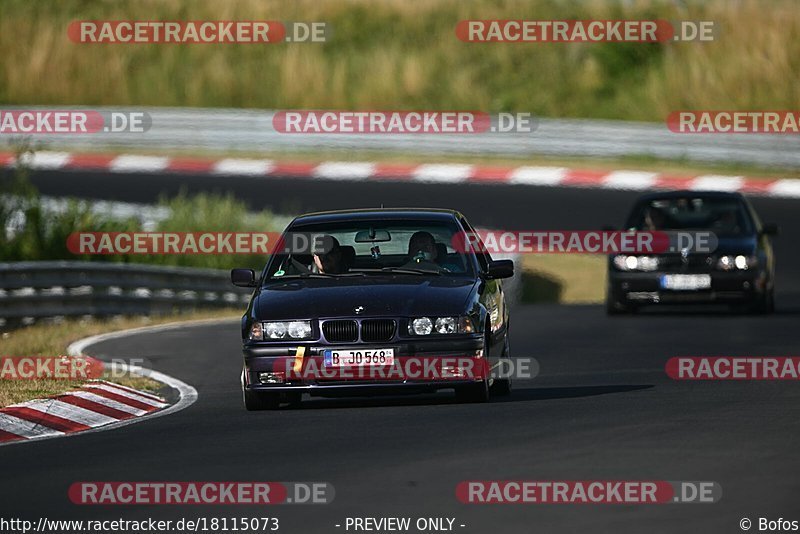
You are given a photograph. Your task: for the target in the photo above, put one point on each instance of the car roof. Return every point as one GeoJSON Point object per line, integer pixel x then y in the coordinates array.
{"type": "Point", "coordinates": [688, 193]}
{"type": "Point", "coordinates": [422, 214]}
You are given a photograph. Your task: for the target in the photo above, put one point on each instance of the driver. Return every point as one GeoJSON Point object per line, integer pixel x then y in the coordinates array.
{"type": "Point", "coordinates": [331, 262]}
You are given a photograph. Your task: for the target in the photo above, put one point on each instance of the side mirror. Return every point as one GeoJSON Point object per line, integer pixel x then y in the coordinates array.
{"type": "Point", "coordinates": [500, 269]}
{"type": "Point", "coordinates": [243, 277]}
{"type": "Point", "coordinates": [770, 229]}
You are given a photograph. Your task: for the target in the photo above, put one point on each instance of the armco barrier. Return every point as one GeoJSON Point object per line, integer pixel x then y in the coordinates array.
{"type": "Point", "coordinates": [99, 289]}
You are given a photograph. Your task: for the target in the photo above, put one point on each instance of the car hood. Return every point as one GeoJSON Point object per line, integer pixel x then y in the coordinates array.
{"type": "Point", "coordinates": [736, 245]}
{"type": "Point", "coordinates": [380, 296]}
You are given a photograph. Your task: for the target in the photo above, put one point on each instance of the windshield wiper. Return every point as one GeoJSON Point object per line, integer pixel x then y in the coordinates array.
{"type": "Point", "coordinates": [403, 270]}
{"type": "Point", "coordinates": [315, 275]}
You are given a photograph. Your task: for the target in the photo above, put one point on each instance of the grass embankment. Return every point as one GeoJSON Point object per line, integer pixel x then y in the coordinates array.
{"type": "Point", "coordinates": [563, 278]}
{"type": "Point", "coordinates": [396, 54]}
{"type": "Point", "coordinates": [52, 340]}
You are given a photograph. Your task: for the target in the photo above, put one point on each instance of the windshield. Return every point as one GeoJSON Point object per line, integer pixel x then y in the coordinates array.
{"type": "Point", "coordinates": [363, 248]}
{"type": "Point", "coordinates": [723, 216]}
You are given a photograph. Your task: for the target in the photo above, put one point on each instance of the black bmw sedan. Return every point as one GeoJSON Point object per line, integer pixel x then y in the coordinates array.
{"type": "Point", "coordinates": [739, 271]}
{"type": "Point", "coordinates": [388, 302]}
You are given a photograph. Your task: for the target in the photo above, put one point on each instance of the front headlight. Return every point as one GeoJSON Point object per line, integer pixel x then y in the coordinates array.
{"type": "Point", "coordinates": [422, 326]}
{"type": "Point", "coordinates": [287, 330]}
{"type": "Point", "coordinates": [635, 263]}
{"type": "Point", "coordinates": [740, 262]}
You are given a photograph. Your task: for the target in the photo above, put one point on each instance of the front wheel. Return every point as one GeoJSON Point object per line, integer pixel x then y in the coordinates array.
{"type": "Point", "coordinates": [502, 386]}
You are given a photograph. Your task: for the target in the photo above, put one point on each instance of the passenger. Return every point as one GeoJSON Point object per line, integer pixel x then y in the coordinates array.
{"type": "Point", "coordinates": [422, 252]}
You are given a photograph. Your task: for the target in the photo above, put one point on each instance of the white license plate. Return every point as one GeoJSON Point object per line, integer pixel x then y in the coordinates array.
{"type": "Point", "coordinates": [686, 282]}
{"type": "Point", "coordinates": [358, 358]}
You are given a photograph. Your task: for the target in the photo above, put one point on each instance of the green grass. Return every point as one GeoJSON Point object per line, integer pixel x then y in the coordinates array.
{"type": "Point", "coordinates": [563, 278]}
{"type": "Point", "coordinates": [399, 54]}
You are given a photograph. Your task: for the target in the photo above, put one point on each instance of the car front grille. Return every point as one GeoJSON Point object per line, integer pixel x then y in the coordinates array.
{"type": "Point", "coordinates": [697, 263]}
{"type": "Point", "coordinates": [373, 330]}
{"type": "Point", "coordinates": [340, 331]}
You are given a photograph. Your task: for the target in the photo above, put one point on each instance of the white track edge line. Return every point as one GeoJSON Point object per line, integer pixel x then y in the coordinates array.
{"type": "Point", "coordinates": [187, 394]}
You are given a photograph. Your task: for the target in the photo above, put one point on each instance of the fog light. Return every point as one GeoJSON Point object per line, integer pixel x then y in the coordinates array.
{"type": "Point", "coordinates": [272, 378]}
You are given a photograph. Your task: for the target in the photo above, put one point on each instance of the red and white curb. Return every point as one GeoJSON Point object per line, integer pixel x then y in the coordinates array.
{"type": "Point", "coordinates": [97, 405]}
{"type": "Point", "coordinates": [425, 173]}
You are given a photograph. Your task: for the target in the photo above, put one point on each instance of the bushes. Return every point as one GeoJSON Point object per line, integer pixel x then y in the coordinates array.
{"type": "Point", "coordinates": [35, 231]}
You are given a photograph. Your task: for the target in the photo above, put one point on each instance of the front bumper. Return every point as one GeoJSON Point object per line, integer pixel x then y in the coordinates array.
{"type": "Point", "coordinates": [741, 287]}
{"type": "Point", "coordinates": [420, 365]}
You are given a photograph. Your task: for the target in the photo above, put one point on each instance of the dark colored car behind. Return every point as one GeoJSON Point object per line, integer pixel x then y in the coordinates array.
{"type": "Point", "coordinates": [386, 302]}
{"type": "Point", "coordinates": [739, 272]}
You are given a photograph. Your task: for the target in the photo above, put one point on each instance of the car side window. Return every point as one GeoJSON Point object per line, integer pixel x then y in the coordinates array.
{"type": "Point", "coordinates": [484, 258]}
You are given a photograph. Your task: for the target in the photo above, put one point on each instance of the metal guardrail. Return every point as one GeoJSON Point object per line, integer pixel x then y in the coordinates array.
{"type": "Point", "coordinates": [248, 130]}
{"type": "Point", "coordinates": [45, 289]}
{"type": "Point", "coordinates": [99, 289]}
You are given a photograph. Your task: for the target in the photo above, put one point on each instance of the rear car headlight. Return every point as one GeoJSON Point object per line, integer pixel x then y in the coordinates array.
{"type": "Point", "coordinates": [740, 262]}
{"type": "Point", "coordinates": [422, 326]}
{"type": "Point", "coordinates": [287, 330]}
{"type": "Point", "coordinates": [635, 263]}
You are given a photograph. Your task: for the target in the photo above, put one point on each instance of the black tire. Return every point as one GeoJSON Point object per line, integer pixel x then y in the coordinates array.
{"type": "Point", "coordinates": [478, 392]}
{"type": "Point", "coordinates": [765, 305]}
{"type": "Point", "coordinates": [474, 393]}
{"type": "Point", "coordinates": [257, 400]}
{"type": "Point", "coordinates": [502, 387]}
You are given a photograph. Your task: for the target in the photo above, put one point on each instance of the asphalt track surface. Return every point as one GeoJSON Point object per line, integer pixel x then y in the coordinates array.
{"type": "Point", "coordinates": [602, 407]}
